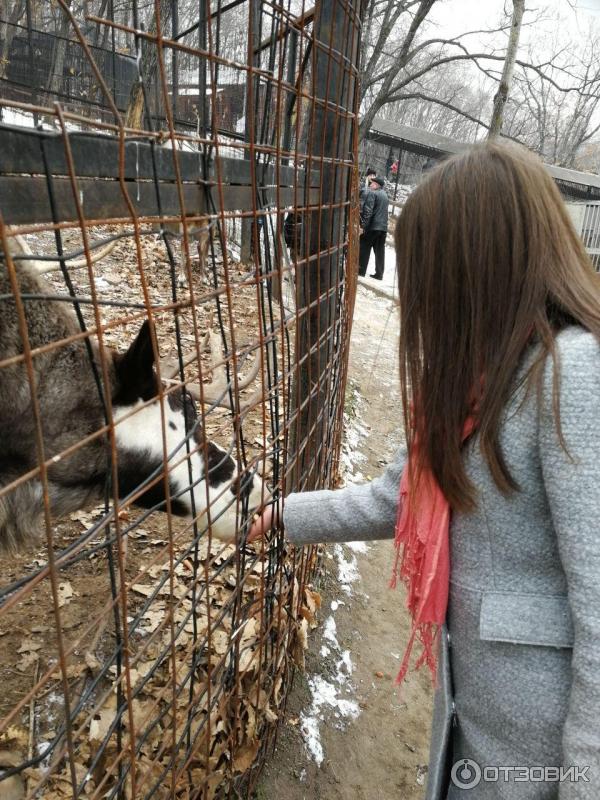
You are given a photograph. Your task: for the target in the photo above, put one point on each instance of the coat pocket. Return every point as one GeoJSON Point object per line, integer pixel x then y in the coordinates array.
{"type": "Point", "coordinates": [536, 619]}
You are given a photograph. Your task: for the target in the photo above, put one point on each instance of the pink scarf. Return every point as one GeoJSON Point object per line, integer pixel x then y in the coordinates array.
{"type": "Point", "coordinates": [423, 559]}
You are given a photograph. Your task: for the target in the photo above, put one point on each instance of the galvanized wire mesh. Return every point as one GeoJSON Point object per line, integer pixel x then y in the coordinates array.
{"type": "Point", "coordinates": [176, 290]}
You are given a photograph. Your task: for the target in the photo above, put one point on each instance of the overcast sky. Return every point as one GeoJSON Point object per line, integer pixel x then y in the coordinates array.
{"type": "Point", "coordinates": [457, 16]}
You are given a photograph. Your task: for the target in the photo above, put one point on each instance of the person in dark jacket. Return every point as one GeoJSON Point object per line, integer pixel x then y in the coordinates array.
{"type": "Point", "coordinates": [365, 183]}
{"type": "Point", "coordinates": [364, 192]}
{"type": "Point", "coordinates": [373, 224]}
{"type": "Point", "coordinates": [292, 231]}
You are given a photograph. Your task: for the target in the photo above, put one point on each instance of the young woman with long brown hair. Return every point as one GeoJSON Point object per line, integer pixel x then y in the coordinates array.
{"type": "Point", "coordinates": [495, 501]}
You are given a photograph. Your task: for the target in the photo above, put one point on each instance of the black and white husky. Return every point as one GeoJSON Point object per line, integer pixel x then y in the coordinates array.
{"type": "Point", "coordinates": [70, 410]}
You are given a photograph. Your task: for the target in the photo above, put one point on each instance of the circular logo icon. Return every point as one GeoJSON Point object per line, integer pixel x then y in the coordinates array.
{"type": "Point", "coordinates": [466, 774]}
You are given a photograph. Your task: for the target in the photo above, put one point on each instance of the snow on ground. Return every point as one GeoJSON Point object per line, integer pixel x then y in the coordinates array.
{"type": "Point", "coordinates": [389, 284]}
{"type": "Point", "coordinates": [25, 119]}
{"type": "Point", "coordinates": [12, 116]}
{"type": "Point", "coordinates": [334, 694]}
{"type": "Point", "coordinates": [355, 430]}
{"type": "Point", "coordinates": [328, 694]}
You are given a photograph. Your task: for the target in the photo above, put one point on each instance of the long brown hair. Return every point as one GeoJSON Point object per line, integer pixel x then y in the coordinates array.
{"type": "Point", "coordinates": [488, 260]}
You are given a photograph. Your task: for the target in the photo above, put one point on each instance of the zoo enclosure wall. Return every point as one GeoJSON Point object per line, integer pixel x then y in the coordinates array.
{"type": "Point", "coordinates": [142, 656]}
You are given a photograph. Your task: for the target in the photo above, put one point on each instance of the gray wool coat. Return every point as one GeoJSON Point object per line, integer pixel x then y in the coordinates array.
{"type": "Point", "coordinates": [519, 674]}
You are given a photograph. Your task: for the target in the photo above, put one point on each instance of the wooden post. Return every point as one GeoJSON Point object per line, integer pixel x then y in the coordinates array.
{"type": "Point", "coordinates": [328, 135]}
{"type": "Point", "coordinates": [252, 88]}
{"type": "Point", "coordinates": [174, 59]}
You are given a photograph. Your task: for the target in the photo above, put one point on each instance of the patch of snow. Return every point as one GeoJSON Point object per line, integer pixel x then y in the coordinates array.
{"type": "Point", "coordinates": [349, 708]}
{"type": "Point", "coordinates": [12, 116]}
{"type": "Point", "coordinates": [357, 477]}
{"type": "Point", "coordinates": [330, 631]}
{"type": "Point", "coordinates": [347, 569]}
{"type": "Point", "coordinates": [335, 604]}
{"type": "Point", "coordinates": [54, 701]}
{"type": "Point", "coordinates": [358, 547]}
{"type": "Point", "coordinates": [44, 752]}
{"type": "Point", "coordinates": [24, 119]}
{"type": "Point", "coordinates": [355, 429]}
{"type": "Point", "coordinates": [361, 430]}
{"type": "Point", "coordinates": [309, 726]}
{"type": "Point", "coordinates": [345, 666]}
{"type": "Point", "coordinates": [326, 693]}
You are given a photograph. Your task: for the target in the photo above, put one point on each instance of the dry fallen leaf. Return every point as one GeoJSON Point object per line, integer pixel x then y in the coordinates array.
{"type": "Point", "coordinates": [13, 738]}
{"type": "Point", "coordinates": [65, 593]}
{"type": "Point", "coordinates": [27, 661]}
{"type": "Point", "coordinates": [103, 719]}
{"type": "Point", "coordinates": [29, 646]}
{"type": "Point", "coordinates": [244, 757]}
{"type": "Point", "coordinates": [313, 599]}
{"type": "Point", "coordinates": [11, 788]}
{"type": "Point", "coordinates": [190, 660]}
{"type": "Point", "coordinates": [301, 643]}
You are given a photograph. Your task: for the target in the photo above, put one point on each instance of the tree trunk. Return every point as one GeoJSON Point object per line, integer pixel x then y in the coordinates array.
{"type": "Point", "coordinates": [148, 64]}
{"type": "Point", "coordinates": [251, 120]}
{"type": "Point", "coordinates": [329, 141]}
{"type": "Point", "coordinates": [501, 95]}
{"type": "Point", "coordinates": [57, 66]}
{"type": "Point", "coordinates": [8, 31]}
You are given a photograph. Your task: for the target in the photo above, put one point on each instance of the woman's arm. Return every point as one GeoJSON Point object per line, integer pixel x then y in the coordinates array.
{"type": "Point", "coordinates": [366, 511]}
{"type": "Point", "coordinates": [360, 512]}
{"type": "Point", "coordinates": [573, 490]}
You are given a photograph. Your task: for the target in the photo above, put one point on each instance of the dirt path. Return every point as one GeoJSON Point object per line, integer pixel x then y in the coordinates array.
{"type": "Point", "coordinates": [345, 712]}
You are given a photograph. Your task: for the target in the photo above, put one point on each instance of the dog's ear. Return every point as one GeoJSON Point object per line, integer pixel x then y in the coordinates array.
{"type": "Point", "coordinates": [135, 370]}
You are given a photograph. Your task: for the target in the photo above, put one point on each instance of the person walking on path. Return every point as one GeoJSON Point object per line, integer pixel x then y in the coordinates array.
{"type": "Point", "coordinates": [494, 503]}
{"type": "Point", "coordinates": [364, 191]}
{"type": "Point", "coordinates": [373, 223]}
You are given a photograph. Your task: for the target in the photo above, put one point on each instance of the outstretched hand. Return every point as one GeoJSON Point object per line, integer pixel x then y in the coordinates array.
{"type": "Point", "coordinates": [268, 519]}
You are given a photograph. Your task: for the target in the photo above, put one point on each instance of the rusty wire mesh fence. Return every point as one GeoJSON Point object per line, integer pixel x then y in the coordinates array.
{"type": "Point", "coordinates": [176, 289]}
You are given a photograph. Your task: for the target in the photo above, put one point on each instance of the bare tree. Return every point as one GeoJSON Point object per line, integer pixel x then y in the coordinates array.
{"type": "Point", "coordinates": [397, 54]}
{"type": "Point", "coordinates": [407, 73]}
{"type": "Point", "coordinates": [11, 13]}
{"type": "Point", "coordinates": [59, 52]}
{"type": "Point", "coordinates": [555, 123]}
{"type": "Point", "coordinates": [454, 107]}
{"type": "Point", "coordinates": [147, 65]}
{"type": "Point", "coordinates": [501, 95]}
{"type": "Point", "coordinates": [381, 22]}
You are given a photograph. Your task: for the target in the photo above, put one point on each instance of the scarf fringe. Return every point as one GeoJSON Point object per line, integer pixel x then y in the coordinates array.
{"type": "Point", "coordinates": [422, 559]}
{"type": "Point", "coordinates": [420, 563]}
{"type": "Point", "coordinates": [427, 636]}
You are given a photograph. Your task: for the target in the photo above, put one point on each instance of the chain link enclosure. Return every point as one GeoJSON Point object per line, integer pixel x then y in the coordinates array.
{"type": "Point", "coordinates": [183, 173]}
